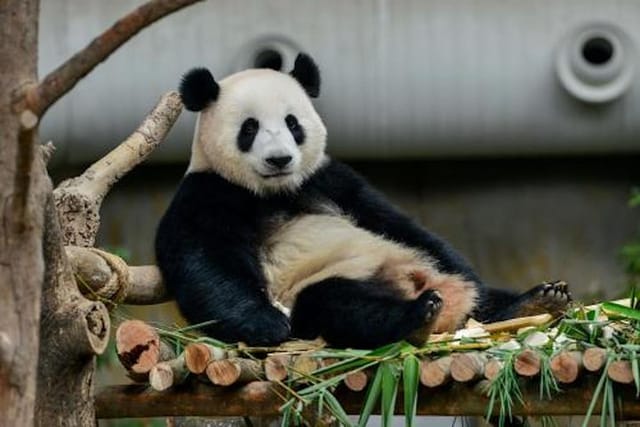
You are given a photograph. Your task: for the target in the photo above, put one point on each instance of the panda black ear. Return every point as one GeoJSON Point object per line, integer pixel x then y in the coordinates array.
{"type": "Point", "coordinates": [306, 72]}
{"type": "Point", "coordinates": [198, 89]}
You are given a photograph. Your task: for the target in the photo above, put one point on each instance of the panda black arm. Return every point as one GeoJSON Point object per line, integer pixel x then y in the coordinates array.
{"type": "Point", "coordinates": [206, 252]}
{"type": "Point", "coordinates": [372, 211]}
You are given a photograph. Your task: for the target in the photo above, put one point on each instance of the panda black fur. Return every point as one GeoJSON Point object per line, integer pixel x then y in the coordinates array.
{"type": "Point", "coordinates": [264, 216]}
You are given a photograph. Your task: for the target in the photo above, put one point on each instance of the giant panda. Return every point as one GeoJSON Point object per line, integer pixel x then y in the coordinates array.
{"type": "Point", "coordinates": [264, 218]}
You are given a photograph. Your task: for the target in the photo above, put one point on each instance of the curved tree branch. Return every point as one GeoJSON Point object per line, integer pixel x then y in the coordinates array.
{"type": "Point", "coordinates": [78, 199]}
{"type": "Point", "coordinates": [108, 277]}
{"type": "Point", "coordinates": [64, 78]}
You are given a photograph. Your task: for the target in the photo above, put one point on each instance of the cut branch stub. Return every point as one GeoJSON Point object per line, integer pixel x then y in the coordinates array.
{"type": "Point", "coordinates": [78, 199]}
{"type": "Point", "coordinates": [94, 324]}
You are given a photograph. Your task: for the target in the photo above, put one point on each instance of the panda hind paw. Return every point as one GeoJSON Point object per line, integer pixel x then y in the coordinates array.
{"type": "Point", "coordinates": [547, 297]}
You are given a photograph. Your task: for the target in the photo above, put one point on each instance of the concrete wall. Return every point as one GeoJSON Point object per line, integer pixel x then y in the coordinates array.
{"type": "Point", "coordinates": [518, 221]}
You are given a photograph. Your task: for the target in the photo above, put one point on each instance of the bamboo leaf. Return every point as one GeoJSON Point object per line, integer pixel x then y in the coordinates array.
{"type": "Point", "coordinates": [337, 410]}
{"type": "Point", "coordinates": [342, 366]}
{"type": "Point", "coordinates": [605, 407]}
{"type": "Point", "coordinates": [371, 398]}
{"type": "Point", "coordinates": [360, 360]}
{"type": "Point", "coordinates": [596, 394]}
{"type": "Point", "coordinates": [636, 371]}
{"type": "Point", "coordinates": [390, 379]}
{"type": "Point", "coordinates": [610, 401]}
{"type": "Point", "coordinates": [410, 377]}
{"type": "Point", "coordinates": [320, 405]}
{"type": "Point", "coordinates": [621, 310]}
{"type": "Point", "coordinates": [286, 413]}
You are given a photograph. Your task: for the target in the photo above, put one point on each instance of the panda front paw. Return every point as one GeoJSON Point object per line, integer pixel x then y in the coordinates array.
{"type": "Point", "coordinates": [427, 306]}
{"type": "Point", "coordinates": [265, 327]}
{"type": "Point", "coordinates": [431, 301]}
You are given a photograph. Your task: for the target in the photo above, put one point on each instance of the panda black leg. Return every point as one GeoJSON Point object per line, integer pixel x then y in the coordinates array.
{"type": "Point", "coordinates": [548, 297]}
{"type": "Point", "coordinates": [361, 314]}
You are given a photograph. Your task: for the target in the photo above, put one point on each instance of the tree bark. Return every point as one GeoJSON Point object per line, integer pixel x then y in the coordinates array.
{"type": "Point", "coordinates": [23, 190]}
{"type": "Point", "coordinates": [78, 200]}
{"type": "Point", "coordinates": [106, 276]}
{"type": "Point", "coordinates": [72, 331]}
{"type": "Point", "coordinates": [49, 333]}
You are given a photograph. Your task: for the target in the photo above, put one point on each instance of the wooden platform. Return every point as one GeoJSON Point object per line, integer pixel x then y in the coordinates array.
{"type": "Point", "coordinates": [262, 398]}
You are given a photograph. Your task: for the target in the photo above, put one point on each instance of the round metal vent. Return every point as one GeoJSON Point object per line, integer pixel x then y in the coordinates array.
{"type": "Point", "coordinates": [595, 62]}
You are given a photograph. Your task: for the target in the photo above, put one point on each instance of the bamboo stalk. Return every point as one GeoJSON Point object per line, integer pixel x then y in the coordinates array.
{"type": "Point", "coordinates": [233, 371]}
{"type": "Point", "coordinates": [467, 367]}
{"type": "Point", "coordinates": [356, 381]}
{"type": "Point", "coordinates": [139, 348]}
{"type": "Point", "coordinates": [197, 356]}
{"type": "Point", "coordinates": [167, 374]}
{"type": "Point", "coordinates": [276, 367]}
{"type": "Point", "coordinates": [517, 323]}
{"type": "Point", "coordinates": [303, 366]}
{"type": "Point", "coordinates": [620, 371]}
{"type": "Point", "coordinates": [594, 358]}
{"type": "Point", "coordinates": [434, 373]}
{"type": "Point", "coordinates": [493, 368]}
{"type": "Point", "coordinates": [527, 363]}
{"type": "Point", "coordinates": [566, 366]}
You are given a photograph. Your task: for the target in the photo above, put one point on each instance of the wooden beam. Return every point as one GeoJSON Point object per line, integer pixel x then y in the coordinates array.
{"type": "Point", "coordinates": [262, 398]}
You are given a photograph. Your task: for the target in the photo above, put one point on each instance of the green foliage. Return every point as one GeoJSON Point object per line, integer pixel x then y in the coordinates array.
{"type": "Point", "coordinates": [390, 379]}
{"type": "Point", "coordinates": [371, 399]}
{"type": "Point", "coordinates": [635, 197]}
{"type": "Point", "coordinates": [410, 377]}
{"type": "Point", "coordinates": [630, 253]}
{"type": "Point", "coordinates": [504, 389]}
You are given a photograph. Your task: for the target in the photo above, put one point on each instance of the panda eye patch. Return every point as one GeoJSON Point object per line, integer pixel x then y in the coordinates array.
{"type": "Point", "coordinates": [294, 127]}
{"type": "Point", "coordinates": [246, 135]}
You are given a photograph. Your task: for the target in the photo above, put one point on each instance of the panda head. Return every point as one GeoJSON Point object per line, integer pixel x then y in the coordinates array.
{"type": "Point", "coordinates": [257, 128]}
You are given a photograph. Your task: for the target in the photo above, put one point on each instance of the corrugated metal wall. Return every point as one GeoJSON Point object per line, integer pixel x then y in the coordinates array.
{"type": "Point", "coordinates": [402, 78]}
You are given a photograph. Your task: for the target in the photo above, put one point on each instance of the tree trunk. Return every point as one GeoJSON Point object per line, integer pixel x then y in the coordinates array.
{"type": "Point", "coordinates": [72, 331]}
{"type": "Point", "coordinates": [23, 191]}
{"type": "Point", "coordinates": [49, 333]}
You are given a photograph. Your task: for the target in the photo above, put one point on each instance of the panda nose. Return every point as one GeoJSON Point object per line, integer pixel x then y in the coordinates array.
{"type": "Point", "coordinates": [279, 162]}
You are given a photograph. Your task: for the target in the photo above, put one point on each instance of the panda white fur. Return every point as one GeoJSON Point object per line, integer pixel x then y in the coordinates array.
{"type": "Point", "coordinates": [264, 216]}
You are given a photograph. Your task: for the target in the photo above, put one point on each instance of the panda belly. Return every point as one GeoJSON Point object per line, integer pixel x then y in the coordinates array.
{"type": "Point", "coordinates": [310, 248]}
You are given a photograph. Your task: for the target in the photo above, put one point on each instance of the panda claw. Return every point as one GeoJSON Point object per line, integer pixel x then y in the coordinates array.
{"type": "Point", "coordinates": [551, 297]}
{"type": "Point", "coordinates": [432, 302]}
